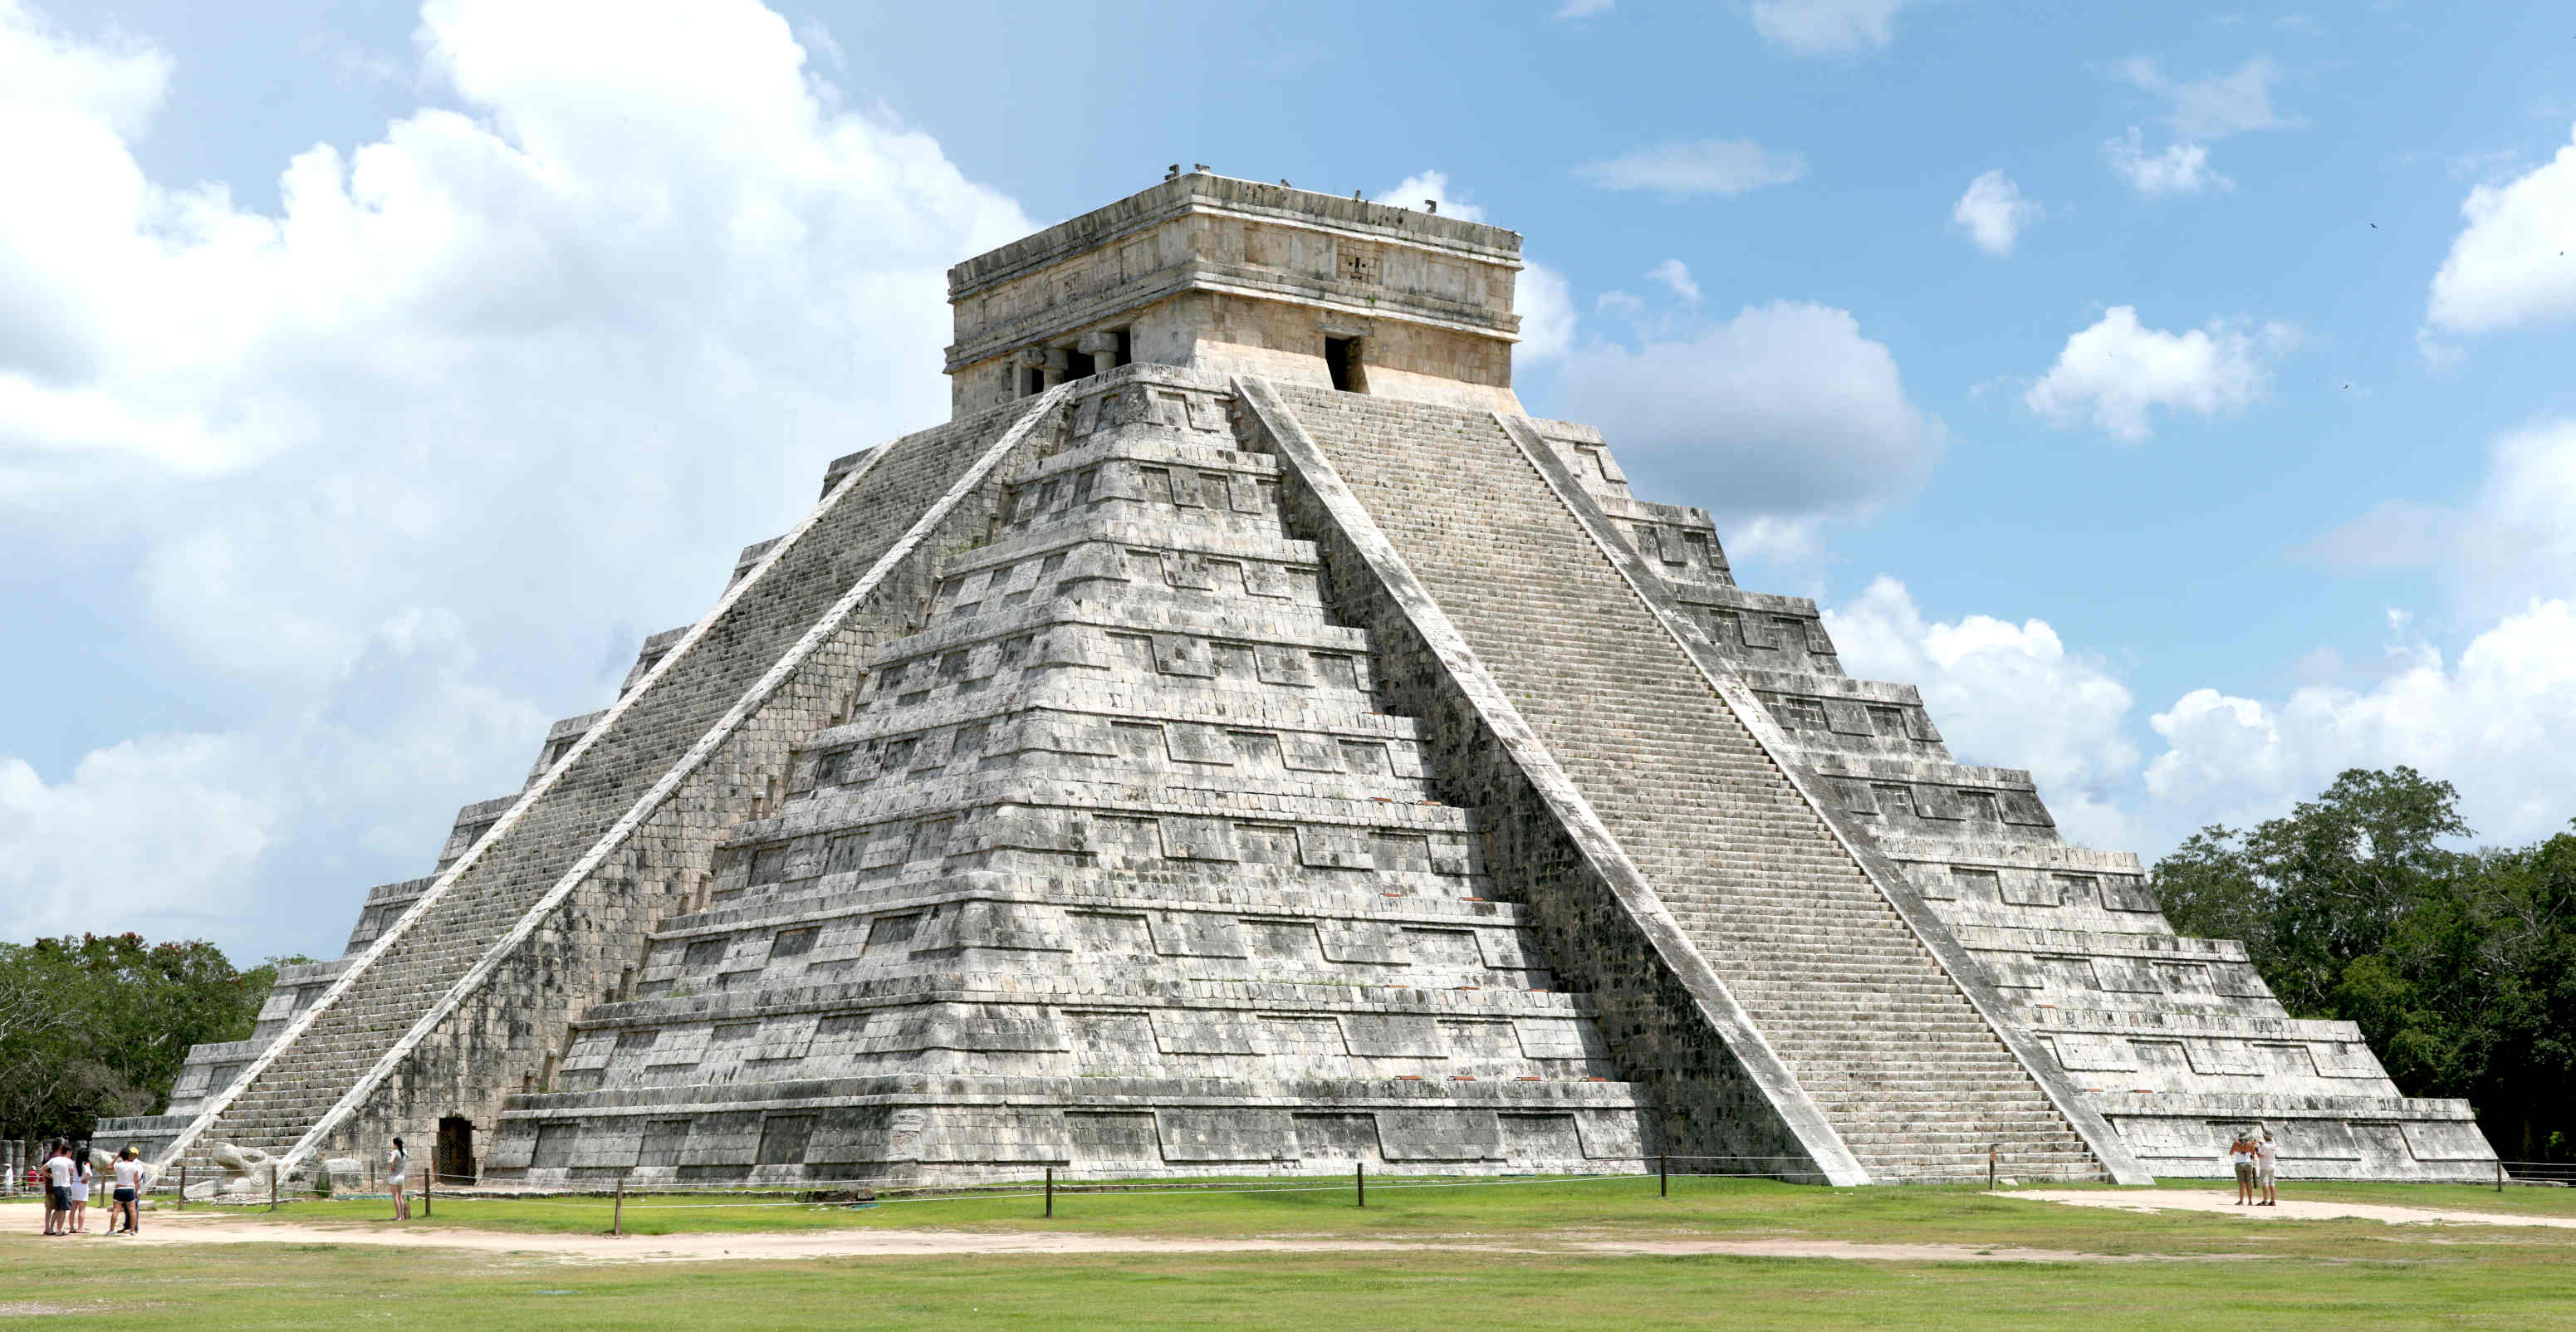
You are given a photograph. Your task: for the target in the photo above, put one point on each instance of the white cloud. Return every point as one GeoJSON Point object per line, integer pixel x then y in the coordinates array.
{"type": "Point", "coordinates": [2117, 370]}
{"type": "Point", "coordinates": [2515, 261]}
{"type": "Point", "coordinates": [1581, 9]}
{"type": "Point", "coordinates": [2004, 694]}
{"type": "Point", "coordinates": [1707, 166]}
{"type": "Point", "coordinates": [2498, 723]}
{"type": "Point", "coordinates": [1431, 187]}
{"type": "Point", "coordinates": [175, 834]}
{"type": "Point", "coordinates": [2218, 105]}
{"type": "Point", "coordinates": [1783, 416]}
{"type": "Point", "coordinates": [1546, 307]}
{"type": "Point", "coordinates": [80, 87]}
{"type": "Point", "coordinates": [1675, 274]}
{"type": "Point", "coordinates": [2509, 544]}
{"type": "Point", "coordinates": [1827, 27]}
{"type": "Point", "coordinates": [2182, 168]}
{"type": "Point", "coordinates": [154, 827]}
{"type": "Point", "coordinates": [1993, 212]}
{"type": "Point", "coordinates": [398, 471]}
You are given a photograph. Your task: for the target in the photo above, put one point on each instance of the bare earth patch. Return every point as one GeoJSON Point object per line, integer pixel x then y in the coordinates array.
{"type": "Point", "coordinates": [2289, 1209]}
{"type": "Point", "coordinates": [875, 1243]}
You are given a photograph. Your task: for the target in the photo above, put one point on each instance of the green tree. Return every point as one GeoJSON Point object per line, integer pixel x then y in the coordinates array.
{"type": "Point", "coordinates": [98, 1025]}
{"type": "Point", "coordinates": [2324, 885]}
{"type": "Point", "coordinates": [2458, 966]}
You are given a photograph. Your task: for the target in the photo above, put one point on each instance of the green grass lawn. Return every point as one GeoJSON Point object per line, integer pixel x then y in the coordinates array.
{"type": "Point", "coordinates": [2223, 1273]}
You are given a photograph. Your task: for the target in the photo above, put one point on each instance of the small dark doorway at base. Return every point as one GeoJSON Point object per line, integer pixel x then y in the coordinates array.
{"type": "Point", "coordinates": [454, 1160]}
{"type": "Point", "coordinates": [1341, 358]}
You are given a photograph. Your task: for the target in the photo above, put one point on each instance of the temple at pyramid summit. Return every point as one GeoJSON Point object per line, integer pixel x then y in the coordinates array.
{"type": "Point", "coordinates": [1241, 740]}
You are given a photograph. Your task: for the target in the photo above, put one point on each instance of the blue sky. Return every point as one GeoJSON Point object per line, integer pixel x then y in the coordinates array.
{"type": "Point", "coordinates": [374, 376]}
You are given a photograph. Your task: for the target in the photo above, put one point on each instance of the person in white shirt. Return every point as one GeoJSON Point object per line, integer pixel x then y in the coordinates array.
{"type": "Point", "coordinates": [58, 1189]}
{"type": "Point", "coordinates": [398, 1165]}
{"type": "Point", "coordinates": [130, 1174]}
{"type": "Point", "coordinates": [2240, 1156]}
{"type": "Point", "coordinates": [2267, 1159]}
{"type": "Point", "coordinates": [80, 1189]}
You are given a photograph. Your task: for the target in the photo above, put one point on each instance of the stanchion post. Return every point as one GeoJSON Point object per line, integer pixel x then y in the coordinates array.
{"type": "Point", "coordinates": [1050, 1192]}
{"type": "Point", "coordinates": [617, 1210]}
{"type": "Point", "coordinates": [1991, 1149]}
{"type": "Point", "coordinates": [183, 1186]}
{"type": "Point", "coordinates": [1664, 1175]}
{"type": "Point", "coordinates": [429, 1186]}
{"type": "Point", "coordinates": [273, 1173]}
{"type": "Point", "coordinates": [1359, 1180]}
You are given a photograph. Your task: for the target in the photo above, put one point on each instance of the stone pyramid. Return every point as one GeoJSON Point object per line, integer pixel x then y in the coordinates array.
{"type": "Point", "coordinates": [1242, 740]}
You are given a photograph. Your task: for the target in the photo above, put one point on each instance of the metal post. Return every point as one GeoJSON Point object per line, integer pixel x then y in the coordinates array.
{"type": "Point", "coordinates": [1359, 1180]}
{"type": "Point", "coordinates": [273, 1173]}
{"type": "Point", "coordinates": [1050, 1193]}
{"type": "Point", "coordinates": [1990, 1168]}
{"type": "Point", "coordinates": [1664, 1175]}
{"type": "Point", "coordinates": [429, 1184]}
{"type": "Point", "coordinates": [183, 1185]}
{"type": "Point", "coordinates": [617, 1214]}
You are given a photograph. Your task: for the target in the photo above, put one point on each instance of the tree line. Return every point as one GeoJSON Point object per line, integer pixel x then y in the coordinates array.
{"type": "Point", "coordinates": [96, 1026]}
{"type": "Point", "coordinates": [2459, 966]}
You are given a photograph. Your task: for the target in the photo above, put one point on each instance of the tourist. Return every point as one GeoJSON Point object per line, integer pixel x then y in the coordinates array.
{"type": "Point", "coordinates": [397, 1165]}
{"type": "Point", "coordinates": [130, 1174]}
{"type": "Point", "coordinates": [80, 1189]}
{"type": "Point", "coordinates": [2267, 1160]}
{"type": "Point", "coordinates": [58, 1189]}
{"type": "Point", "coordinates": [2240, 1154]}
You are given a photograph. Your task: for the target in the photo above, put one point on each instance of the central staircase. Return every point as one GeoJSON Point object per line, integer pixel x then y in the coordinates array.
{"type": "Point", "coordinates": [1881, 1038]}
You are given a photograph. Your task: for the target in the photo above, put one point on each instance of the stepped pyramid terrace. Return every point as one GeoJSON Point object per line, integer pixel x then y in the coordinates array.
{"type": "Point", "coordinates": [1239, 740]}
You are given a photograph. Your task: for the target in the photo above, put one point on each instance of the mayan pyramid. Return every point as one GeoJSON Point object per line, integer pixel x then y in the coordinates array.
{"type": "Point", "coordinates": [1241, 740]}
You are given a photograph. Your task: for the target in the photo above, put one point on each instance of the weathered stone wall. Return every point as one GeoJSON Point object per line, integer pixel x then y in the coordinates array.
{"type": "Point", "coordinates": [1235, 276]}
{"type": "Point", "coordinates": [512, 1014]}
{"type": "Point", "coordinates": [1117, 867]}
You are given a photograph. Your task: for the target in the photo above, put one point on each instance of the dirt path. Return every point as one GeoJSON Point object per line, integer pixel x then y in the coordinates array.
{"type": "Point", "coordinates": [2289, 1209]}
{"type": "Point", "coordinates": [876, 1243]}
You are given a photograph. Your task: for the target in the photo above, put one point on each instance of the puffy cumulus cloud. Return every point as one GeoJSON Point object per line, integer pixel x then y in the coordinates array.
{"type": "Point", "coordinates": [1993, 212]}
{"type": "Point", "coordinates": [2182, 168]}
{"type": "Point", "coordinates": [1777, 419]}
{"type": "Point", "coordinates": [2006, 694]}
{"type": "Point", "coordinates": [2217, 105]}
{"type": "Point", "coordinates": [158, 829]}
{"type": "Point", "coordinates": [1545, 302]}
{"type": "Point", "coordinates": [2511, 264]}
{"type": "Point", "coordinates": [179, 833]}
{"type": "Point", "coordinates": [1706, 166]}
{"type": "Point", "coordinates": [1675, 274]}
{"type": "Point", "coordinates": [2516, 540]}
{"type": "Point", "coordinates": [1827, 27]}
{"type": "Point", "coordinates": [2116, 371]}
{"type": "Point", "coordinates": [2498, 722]}
{"type": "Point", "coordinates": [508, 384]}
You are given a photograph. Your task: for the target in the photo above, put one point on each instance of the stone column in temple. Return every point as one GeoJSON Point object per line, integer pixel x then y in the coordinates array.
{"type": "Point", "coordinates": [1102, 348]}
